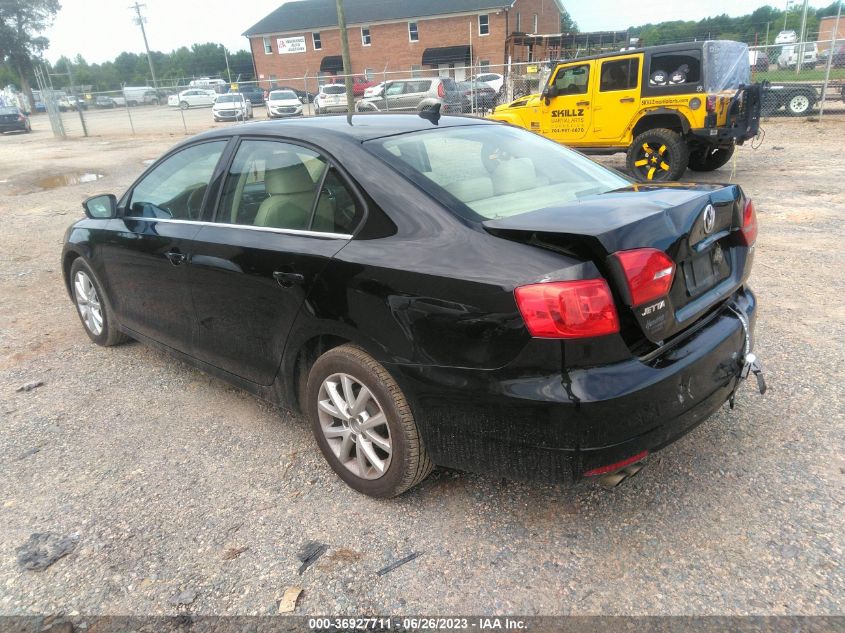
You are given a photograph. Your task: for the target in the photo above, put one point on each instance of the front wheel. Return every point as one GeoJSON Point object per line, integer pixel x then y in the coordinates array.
{"type": "Point", "coordinates": [657, 155]}
{"type": "Point", "coordinates": [183, 105]}
{"type": "Point", "coordinates": [363, 424]}
{"type": "Point", "coordinates": [93, 307]}
{"type": "Point", "coordinates": [710, 158]}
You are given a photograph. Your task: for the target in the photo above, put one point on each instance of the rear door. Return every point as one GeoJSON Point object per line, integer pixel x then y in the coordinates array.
{"type": "Point", "coordinates": [415, 91]}
{"type": "Point", "coordinates": [616, 95]}
{"type": "Point", "coordinates": [567, 116]}
{"type": "Point", "coordinates": [146, 250]}
{"type": "Point", "coordinates": [284, 212]}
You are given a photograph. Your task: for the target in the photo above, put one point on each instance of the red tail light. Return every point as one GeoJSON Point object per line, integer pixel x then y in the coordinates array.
{"type": "Point", "coordinates": [441, 90]}
{"type": "Point", "coordinates": [710, 105]}
{"type": "Point", "coordinates": [749, 224]}
{"type": "Point", "coordinates": [568, 309]}
{"type": "Point", "coordinates": [649, 273]}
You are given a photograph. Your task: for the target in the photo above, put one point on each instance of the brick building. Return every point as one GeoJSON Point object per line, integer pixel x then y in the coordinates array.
{"type": "Point", "coordinates": [394, 35]}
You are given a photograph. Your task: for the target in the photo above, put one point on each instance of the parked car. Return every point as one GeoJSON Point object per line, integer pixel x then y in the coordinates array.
{"type": "Point", "coordinates": [283, 104]}
{"type": "Point", "coordinates": [142, 95]}
{"type": "Point", "coordinates": [758, 60]}
{"type": "Point", "coordinates": [253, 93]}
{"type": "Point", "coordinates": [494, 80]}
{"type": "Point", "coordinates": [415, 94]}
{"type": "Point", "coordinates": [13, 119]}
{"type": "Point", "coordinates": [331, 98]}
{"type": "Point", "coordinates": [790, 54]}
{"type": "Point", "coordinates": [431, 291]}
{"type": "Point", "coordinates": [234, 106]}
{"type": "Point", "coordinates": [103, 101]}
{"type": "Point", "coordinates": [838, 57]}
{"type": "Point", "coordinates": [192, 98]}
{"type": "Point", "coordinates": [476, 96]}
{"type": "Point", "coordinates": [786, 37]}
{"type": "Point", "coordinates": [72, 103]}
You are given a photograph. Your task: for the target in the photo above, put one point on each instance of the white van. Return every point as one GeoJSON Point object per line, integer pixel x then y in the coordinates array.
{"type": "Point", "coordinates": [789, 55]}
{"type": "Point", "coordinates": [207, 83]}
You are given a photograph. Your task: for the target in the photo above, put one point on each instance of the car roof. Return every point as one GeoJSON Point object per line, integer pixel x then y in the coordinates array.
{"type": "Point", "coordinates": [323, 129]}
{"type": "Point", "coordinates": [664, 48]}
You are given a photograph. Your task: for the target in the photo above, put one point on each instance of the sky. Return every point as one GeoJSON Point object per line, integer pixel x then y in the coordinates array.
{"type": "Point", "coordinates": [99, 30]}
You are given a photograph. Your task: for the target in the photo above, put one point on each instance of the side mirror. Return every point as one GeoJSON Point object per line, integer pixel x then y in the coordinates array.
{"type": "Point", "coordinates": [552, 91]}
{"type": "Point", "coordinates": [102, 207]}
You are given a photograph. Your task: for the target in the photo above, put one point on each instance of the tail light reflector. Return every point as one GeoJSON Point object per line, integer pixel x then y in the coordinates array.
{"type": "Point", "coordinates": [710, 105]}
{"type": "Point", "coordinates": [568, 309]}
{"type": "Point", "coordinates": [601, 470]}
{"type": "Point", "coordinates": [749, 224]}
{"type": "Point", "coordinates": [441, 90]}
{"type": "Point", "coordinates": [649, 273]}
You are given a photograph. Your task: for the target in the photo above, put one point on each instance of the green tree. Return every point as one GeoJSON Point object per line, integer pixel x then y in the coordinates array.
{"type": "Point", "coordinates": [21, 22]}
{"type": "Point", "coordinates": [567, 24]}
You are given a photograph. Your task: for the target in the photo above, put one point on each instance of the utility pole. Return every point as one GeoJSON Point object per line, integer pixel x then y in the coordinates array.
{"type": "Point", "coordinates": [139, 20]}
{"type": "Point", "coordinates": [226, 57]}
{"type": "Point", "coordinates": [347, 63]}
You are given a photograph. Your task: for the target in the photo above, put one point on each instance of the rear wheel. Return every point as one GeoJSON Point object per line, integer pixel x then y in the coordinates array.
{"type": "Point", "coordinates": [657, 155]}
{"type": "Point", "coordinates": [363, 424]}
{"type": "Point", "coordinates": [709, 158]}
{"type": "Point", "coordinates": [183, 105]}
{"type": "Point", "coordinates": [93, 307]}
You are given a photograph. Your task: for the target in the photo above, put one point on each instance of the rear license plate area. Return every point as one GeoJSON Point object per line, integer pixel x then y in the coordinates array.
{"type": "Point", "coordinates": [705, 270]}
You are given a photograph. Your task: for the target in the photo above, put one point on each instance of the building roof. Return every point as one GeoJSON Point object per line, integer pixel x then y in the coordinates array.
{"type": "Point", "coordinates": [307, 15]}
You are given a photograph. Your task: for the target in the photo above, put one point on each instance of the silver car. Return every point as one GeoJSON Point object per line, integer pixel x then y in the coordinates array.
{"type": "Point", "coordinates": [413, 95]}
{"type": "Point", "coordinates": [331, 98]}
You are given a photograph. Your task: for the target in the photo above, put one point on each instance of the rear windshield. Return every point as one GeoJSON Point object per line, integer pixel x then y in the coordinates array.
{"type": "Point", "coordinates": [334, 90]}
{"type": "Point", "coordinates": [490, 171]}
{"type": "Point", "coordinates": [8, 110]}
{"type": "Point", "coordinates": [280, 95]}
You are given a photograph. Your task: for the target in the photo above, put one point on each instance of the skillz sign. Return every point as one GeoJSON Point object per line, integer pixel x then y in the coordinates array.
{"type": "Point", "coordinates": [567, 121]}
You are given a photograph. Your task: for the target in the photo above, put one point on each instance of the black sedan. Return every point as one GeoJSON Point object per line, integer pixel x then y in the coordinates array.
{"type": "Point", "coordinates": [429, 292]}
{"type": "Point", "coordinates": [13, 119]}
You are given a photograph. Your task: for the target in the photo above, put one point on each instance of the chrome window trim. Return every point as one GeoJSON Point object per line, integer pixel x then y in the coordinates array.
{"type": "Point", "coordinates": [249, 227]}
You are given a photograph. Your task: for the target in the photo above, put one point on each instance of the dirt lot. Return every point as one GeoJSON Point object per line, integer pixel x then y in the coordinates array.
{"type": "Point", "coordinates": [162, 474]}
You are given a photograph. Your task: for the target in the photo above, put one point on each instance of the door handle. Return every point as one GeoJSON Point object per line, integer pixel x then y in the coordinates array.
{"type": "Point", "coordinates": [288, 280]}
{"type": "Point", "coordinates": [627, 100]}
{"type": "Point", "coordinates": [176, 258]}
{"type": "Point", "coordinates": [582, 103]}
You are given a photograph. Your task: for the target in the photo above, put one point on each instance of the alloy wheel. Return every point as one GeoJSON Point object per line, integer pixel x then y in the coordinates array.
{"type": "Point", "coordinates": [653, 162]}
{"type": "Point", "coordinates": [88, 303]}
{"type": "Point", "coordinates": [354, 425]}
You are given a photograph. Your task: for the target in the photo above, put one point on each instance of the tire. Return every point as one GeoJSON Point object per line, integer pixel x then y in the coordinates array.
{"type": "Point", "coordinates": [405, 464]}
{"type": "Point", "coordinates": [710, 158]}
{"type": "Point", "coordinates": [799, 104]}
{"type": "Point", "coordinates": [183, 105]}
{"type": "Point", "coordinates": [665, 153]}
{"type": "Point", "coordinates": [82, 282]}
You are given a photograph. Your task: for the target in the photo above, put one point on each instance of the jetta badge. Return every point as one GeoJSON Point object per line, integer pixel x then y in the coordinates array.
{"type": "Point", "coordinates": [709, 218]}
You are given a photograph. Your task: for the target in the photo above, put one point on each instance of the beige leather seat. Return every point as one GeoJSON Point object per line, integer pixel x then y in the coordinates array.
{"type": "Point", "coordinates": [291, 196]}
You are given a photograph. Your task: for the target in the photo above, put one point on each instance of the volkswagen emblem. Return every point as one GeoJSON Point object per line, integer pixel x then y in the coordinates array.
{"type": "Point", "coordinates": [709, 218]}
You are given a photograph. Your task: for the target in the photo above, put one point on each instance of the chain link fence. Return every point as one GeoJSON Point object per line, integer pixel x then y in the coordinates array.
{"type": "Point", "coordinates": [801, 80]}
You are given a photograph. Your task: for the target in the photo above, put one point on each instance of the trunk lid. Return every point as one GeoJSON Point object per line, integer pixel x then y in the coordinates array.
{"type": "Point", "coordinates": [697, 226]}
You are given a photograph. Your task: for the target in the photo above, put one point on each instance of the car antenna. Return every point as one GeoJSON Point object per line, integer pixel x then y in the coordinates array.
{"type": "Point", "coordinates": [432, 113]}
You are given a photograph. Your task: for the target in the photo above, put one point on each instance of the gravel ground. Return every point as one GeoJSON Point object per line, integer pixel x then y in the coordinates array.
{"type": "Point", "coordinates": [152, 475]}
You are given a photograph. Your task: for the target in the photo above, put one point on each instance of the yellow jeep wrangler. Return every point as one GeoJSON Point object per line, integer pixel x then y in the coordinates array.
{"type": "Point", "coordinates": [669, 107]}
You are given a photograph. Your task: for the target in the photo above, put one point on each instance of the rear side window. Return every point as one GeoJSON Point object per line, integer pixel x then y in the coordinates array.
{"type": "Point", "coordinates": [417, 86]}
{"type": "Point", "coordinates": [674, 69]}
{"type": "Point", "coordinates": [620, 74]}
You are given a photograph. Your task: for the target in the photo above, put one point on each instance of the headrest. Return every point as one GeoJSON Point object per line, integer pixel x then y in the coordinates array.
{"type": "Point", "coordinates": [471, 189]}
{"type": "Point", "coordinates": [292, 178]}
{"type": "Point", "coordinates": [515, 174]}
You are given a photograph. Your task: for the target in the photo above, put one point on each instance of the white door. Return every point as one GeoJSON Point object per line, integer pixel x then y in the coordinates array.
{"type": "Point", "coordinates": [460, 74]}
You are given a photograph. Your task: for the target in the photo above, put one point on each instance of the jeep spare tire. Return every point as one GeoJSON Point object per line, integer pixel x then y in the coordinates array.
{"type": "Point", "coordinates": [657, 155]}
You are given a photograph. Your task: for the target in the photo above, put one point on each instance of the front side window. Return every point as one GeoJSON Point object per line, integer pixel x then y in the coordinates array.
{"type": "Point", "coordinates": [413, 33]}
{"type": "Point", "coordinates": [175, 189]}
{"type": "Point", "coordinates": [268, 48]}
{"type": "Point", "coordinates": [572, 80]}
{"type": "Point", "coordinates": [317, 41]}
{"type": "Point", "coordinates": [365, 36]}
{"type": "Point", "coordinates": [484, 24]}
{"type": "Point", "coordinates": [284, 186]}
{"type": "Point", "coordinates": [487, 172]}
{"type": "Point", "coordinates": [621, 74]}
